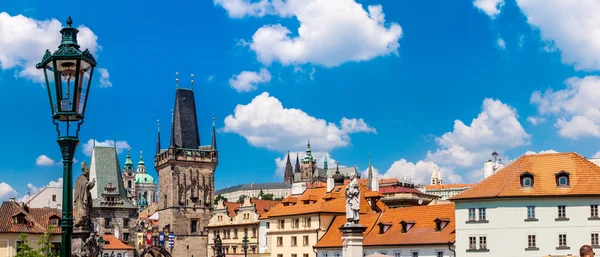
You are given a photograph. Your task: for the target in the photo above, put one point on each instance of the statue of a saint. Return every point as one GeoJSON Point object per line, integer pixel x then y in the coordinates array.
{"type": "Point", "coordinates": [90, 246]}
{"type": "Point", "coordinates": [218, 247]}
{"type": "Point", "coordinates": [353, 200]}
{"type": "Point", "coordinates": [83, 198]}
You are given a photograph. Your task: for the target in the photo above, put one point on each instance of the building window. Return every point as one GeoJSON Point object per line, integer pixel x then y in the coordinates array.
{"type": "Point", "coordinates": [594, 210]}
{"type": "Point", "coordinates": [472, 243]}
{"type": "Point", "coordinates": [325, 254]}
{"type": "Point", "coordinates": [383, 252]}
{"type": "Point", "coordinates": [194, 226]}
{"type": "Point", "coordinates": [530, 212]}
{"type": "Point", "coordinates": [119, 255]}
{"type": "Point", "coordinates": [305, 255]}
{"type": "Point", "coordinates": [294, 241]}
{"type": "Point", "coordinates": [279, 241]}
{"type": "Point", "coordinates": [482, 214]}
{"type": "Point", "coordinates": [414, 254]}
{"type": "Point", "coordinates": [54, 198]}
{"type": "Point", "coordinates": [281, 224]}
{"type": "Point", "coordinates": [280, 255]}
{"type": "Point", "coordinates": [562, 179]}
{"type": "Point", "coordinates": [595, 239]}
{"type": "Point", "coordinates": [253, 232]}
{"type": "Point", "coordinates": [562, 212]}
{"type": "Point", "coordinates": [562, 240]}
{"type": "Point", "coordinates": [304, 240]}
{"type": "Point", "coordinates": [235, 233]}
{"type": "Point", "coordinates": [54, 222]}
{"type": "Point", "coordinates": [294, 255]}
{"type": "Point", "coordinates": [397, 254]}
{"type": "Point", "coordinates": [268, 225]}
{"type": "Point", "coordinates": [245, 232]}
{"type": "Point", "coordinates": [336, 254]}
{"type": "Point", "coordinates": [126, 237]}
{"type": "Point", "coordinates": [531, 241]}
{"type": "Point", "coordinates": [107, 222]}
{"type": "Point", "coordinates": [482, 242]}
{"type": "Point", "coordinates": [125, 222]}
{"type": "Point", "coordinates": [295, 223]}
{"type": "Point", "coordinates": [471, 214]}
{"type": "Point", "coordinates": [526, 179]}
{"type": "Point", "coordinates": [439, 254]}
{"type": "Point", "coordinates": [105, 254]}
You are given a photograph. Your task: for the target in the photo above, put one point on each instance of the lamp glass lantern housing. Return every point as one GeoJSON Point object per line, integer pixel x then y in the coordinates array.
{"type": "Point", "coordinates": [68, 74]}
{"type": "Point", "coordinates": [101, 243]}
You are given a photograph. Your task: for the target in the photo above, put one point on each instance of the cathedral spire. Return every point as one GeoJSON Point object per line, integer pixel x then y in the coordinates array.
{"type": "Point", "coordinates": [308, 151]}
{"type": "Point", "coordinates": [214, 135]}
{"type": "Point", "coordinates": [158, 138]}
{"type": "Point", "coordinates": [325, 162]}
{"type": "Point", "coordinates": [370, 175]}
{"type": "Point", "coordinates": [289, 173]}
{"type": "Point", "coordinates": [297, 167]}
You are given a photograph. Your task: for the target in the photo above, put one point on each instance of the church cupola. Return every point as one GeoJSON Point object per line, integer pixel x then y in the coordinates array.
{"type": "Point", "coordinates": [141, 167]}
{"type": "Point", "coordinates": [128, 166]}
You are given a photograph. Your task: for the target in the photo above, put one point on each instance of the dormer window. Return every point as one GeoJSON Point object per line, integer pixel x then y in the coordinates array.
{"type": "Point", "coordinates": [526, 179]}
{"type": "Point", "coordinates": [54, 219]}
{"type": "Point", "coordinates": [562, 179]}
{"type": "Point", "coordinates": [407, 225]}
{"type": "Point", "coordinates": [384, 226]}
{"type": "Point", "coordinates": [441, 223]}
{"type": "Point", "coordinates": [19, 219]}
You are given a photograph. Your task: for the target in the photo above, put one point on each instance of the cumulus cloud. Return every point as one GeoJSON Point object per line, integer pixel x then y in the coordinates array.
{"type": "Point", "coordinates": [420, 172]}
{"type": "Point", "coordinates": [43, 160]}
{"type": "Point", "coordinates": [540, 152]}
{"type": "Point", "coordinates": [89, 145]}
{"type": "Point", "coordinates": [576, 108]}
{"type": "Point", "coordinates": [500, 42]}
{"type": "Point", "coordinates": [326, 38]}
{"type": "Point", "coordinates": [24, 40]}
{"type": "Point", "coordinates": [280, 162]}
{"type": "Point", "coordinates": [6, 191]}
{"type": "Point", "coordinates": [265, 122]}
{"type": "Point", "coordinates": [247, 81]}
{"type": "Point", "coordinates": [534, 120]}
{"type": "Point", "coordinates": [490, 7]}
{"type": "Point", "coordinates": [496, 127]}
{"type": "Point", "coordinates": [104, 78]}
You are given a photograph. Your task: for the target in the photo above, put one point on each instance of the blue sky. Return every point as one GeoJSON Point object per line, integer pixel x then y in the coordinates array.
{"type": "Point", "coordinates": [415, 83]}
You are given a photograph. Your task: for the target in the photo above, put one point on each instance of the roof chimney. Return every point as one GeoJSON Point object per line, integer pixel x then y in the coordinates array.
{"type": "Point", "coordinates": [12, 199]}
{"type": "Point", "coordinates": [329, 184]}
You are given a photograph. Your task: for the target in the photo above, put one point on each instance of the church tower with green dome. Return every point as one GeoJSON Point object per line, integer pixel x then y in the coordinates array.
{"type": "Point", "coordinates": [129, 178]}
{"type": "Point", "coordinates": [145, 185]}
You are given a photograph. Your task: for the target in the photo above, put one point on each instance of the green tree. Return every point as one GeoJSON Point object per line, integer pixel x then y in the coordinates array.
{"type": "Point", "coordinates": [241, 199]}
{"type": "Point", "coordinates": [25, 250]}
{"type": "Point", "coordinates": [267, 197]}
{"type": "Point", "coordinates": [45, 244]}
{"type": "Point", "coordinates": [261, 193]}
{"type": "Point", "coordinates": [279, 199]}
{"type": "Point", "coordinates": [219, 198]}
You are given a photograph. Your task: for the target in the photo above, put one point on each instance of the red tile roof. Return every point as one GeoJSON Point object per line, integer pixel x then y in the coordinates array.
{"type": "Point", "coordinates": [398, 189]}
{"type": "Point", "coordinates": [232, 208]}
{"type": "Point", "coordinates": [447, 186]}
{"type": "Point", "coordinates": [263, 206]}
{"type": "Point", "coordinates": [584, 177]}
{"type": "Point", "coordinates": [37, 219]}
{"type": "Point", "coordinates": [422, 232]}
{"type": "Point", "coordinates": [113, 243]}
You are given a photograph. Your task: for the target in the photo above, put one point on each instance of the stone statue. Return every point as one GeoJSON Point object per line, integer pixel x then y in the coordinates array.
{"type": "Point", "coordinates": [352, 200]}
{"type": "Point", "coordinates": [83, 198]}
{"type": "Point", "coordinates": [90, 247]}
{"type": "Point", "coordinates": [218, 247]}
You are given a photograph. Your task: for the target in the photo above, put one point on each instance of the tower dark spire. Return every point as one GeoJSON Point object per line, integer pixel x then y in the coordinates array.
{"type": "Point", "coordinates": [184, 133]}
{"type": "Point", "coordinates": [370, 175]}
{"type": "Point", "coordinates": [297, 167]}
{"type": "Point", "coordinates": [214, 136]}
{"type": "Point", "coordinates": [158, 138]}
{"type": "Point", "coordinates": [289, 173]}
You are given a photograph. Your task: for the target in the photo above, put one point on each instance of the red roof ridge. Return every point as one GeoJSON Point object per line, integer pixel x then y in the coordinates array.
{"type": "Point", "coordinates": [512, 173]}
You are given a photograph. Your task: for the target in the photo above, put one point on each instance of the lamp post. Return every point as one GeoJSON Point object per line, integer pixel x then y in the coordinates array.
{"type": "Point", "coordinates": [245, 246]}
{"type": "Point", "coordinates": [101, 245]}
{"type": "Point", "coordinates": [68, 72]}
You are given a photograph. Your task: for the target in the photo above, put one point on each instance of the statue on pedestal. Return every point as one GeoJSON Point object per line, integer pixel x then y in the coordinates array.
{"type": "Point", "coordinates": [353, 200]}
{"type": "Point", "coordinates": [83, 198]}
{"type": "Point", "coordinates": [218, 247]}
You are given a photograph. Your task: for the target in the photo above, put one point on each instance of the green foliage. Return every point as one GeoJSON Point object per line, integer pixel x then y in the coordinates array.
{"type": "Point", "coordinates": [241, 199]}
{"type": "Point", "coordinates": [45, 245]}
{"type": "Point", "coordinates": [279, 199]}
{"type": "Point", "coordinates": [264, 196]}
{"type": "Point", "coordinates": [219, 198]}
{"type": "Point", "coordinates": [25, 250]}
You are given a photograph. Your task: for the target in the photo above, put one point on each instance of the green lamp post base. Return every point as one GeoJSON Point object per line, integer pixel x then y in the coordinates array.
{"type": "Point", "coordinates": [68, 145]}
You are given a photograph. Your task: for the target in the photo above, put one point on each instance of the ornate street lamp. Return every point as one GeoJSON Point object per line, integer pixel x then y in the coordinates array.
{"type": "Point", "coordinates": [68, 73]}
{"type": "Point", "coordinates": [101, 245]}
{"type": "Point", "coordinates": [245, 246]}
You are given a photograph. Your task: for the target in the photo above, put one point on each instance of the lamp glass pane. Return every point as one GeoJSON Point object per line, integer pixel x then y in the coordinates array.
{"type": "Point", "coordinates": [84, 79]}
{"type": "Point", "coordinates": [51, 84]}
{"type": "Point", "coordinates": [66, 71]}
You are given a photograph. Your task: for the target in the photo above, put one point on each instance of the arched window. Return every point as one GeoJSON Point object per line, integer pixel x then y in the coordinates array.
{"type": "Point", "coordinates": [119, 255]}
{"type": "Point", "coordinates": [105, 254]}
{"type": "Point", "coordinates": [527, 179]}
{"type": "Point", "coordinates": [562, 179]}
{"type": "Point", "coordinates": [128, 183]}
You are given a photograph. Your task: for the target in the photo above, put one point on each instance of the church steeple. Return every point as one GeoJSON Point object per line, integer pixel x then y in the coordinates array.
{"type": "Point", "coordinates": [128, 166]}
{"type": "Point", "coordinates": [297, 167]}
{"type": "Point", "coordinates": [325, 162]}
{"type": "Point", "coordinates": [214, 136]}
{"type": "Point", "coordinates": [289, 173]}
{"type": "Point", "coordinates": [184, 132]}
{"type": "Point", "coordinates": [370, 175]}
{"type": "Point", "coordinates": [141, 167]}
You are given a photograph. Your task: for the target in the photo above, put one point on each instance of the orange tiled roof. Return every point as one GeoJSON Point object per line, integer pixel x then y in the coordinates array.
{"type": "Point", "coordinates": [263, 206]}
{"type": "Point", "coordinates": [447, 186]}
{"type": "Point", "coordinates": [422, 232]}
{"type": "Point", "coordinates": [37, 219]}
{"type": "Point", "coordinates": [232, 208]}
{"type": "Point", "coordinates": [584, 177]}
{"type": "Point", "coordinates": [113, 243]}
{"type": "Point", "coordinates": [332, 202]}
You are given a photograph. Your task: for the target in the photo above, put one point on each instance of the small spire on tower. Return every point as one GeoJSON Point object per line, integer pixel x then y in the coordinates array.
{"type": "Point", "coordinates": [370, 173]}
{"type": "Point", "coordinates": [176, 79]}
{"type": "Point", "coordinates": [158, 138]}
{"type": "Point", "coordinates": [214, 135]}
{"type": "Point", "coordinates": [325, 162]}
{"type": "Point", "coordinates": [192, 81]}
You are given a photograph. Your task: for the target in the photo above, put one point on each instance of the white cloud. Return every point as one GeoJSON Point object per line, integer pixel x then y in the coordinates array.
{"type": "Point", "coordinates": [496, 127]}
{"type": "Point", "coordinates": [104, 78]}
{"type": "Point", "coordinates": [535, 120]}
{"type": "Point", "coordinates": [571, 26]}
{"type": "Point", "coordinates": [44, 160]}
{"type": "Point", "coordinates": [33, 190]}
{"type": "Point", "coordinates": [501, 43]}
{"type": "Point", "coordinates": [596, 155]}
{"type": "Point", "coordinates": [24, 40]}
{"type": "Point", "coordinates": [540, 152]}
{"type": "Point", "coordinates": [89, 145]}
{"type": "Point", "coordinates": [6, 191]}
{"type": "Point", "coordinates": [577, 107]}
{"type": "Point", "coordinates": [281, 161]}
{"type": "Point", "coordinates": [324, 37]}
{"type": "Point", "coordinates": [490, 7]}
{"type": "Point", "coordinates": [420, 172]}
{"type": "Point", "coordinates": [210, 78]}
{"type": "Point", "coordinates": [247, 81]}
{"type": "Point", "coordinates": [521, 41]}
{"type": "Point", "coordinates": [264, 122]}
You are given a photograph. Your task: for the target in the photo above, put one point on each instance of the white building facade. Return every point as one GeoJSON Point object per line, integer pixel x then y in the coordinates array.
{"type": "Point", "coordinates": [48, 197]}
{"type": "Point", "coordinates": [539, 205]}
{"type": "Point", "coordinates": [279, 190]}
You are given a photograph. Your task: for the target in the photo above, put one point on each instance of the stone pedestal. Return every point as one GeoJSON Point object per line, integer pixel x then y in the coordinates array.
{"type": "Point", "coordinates": [352, 238]}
